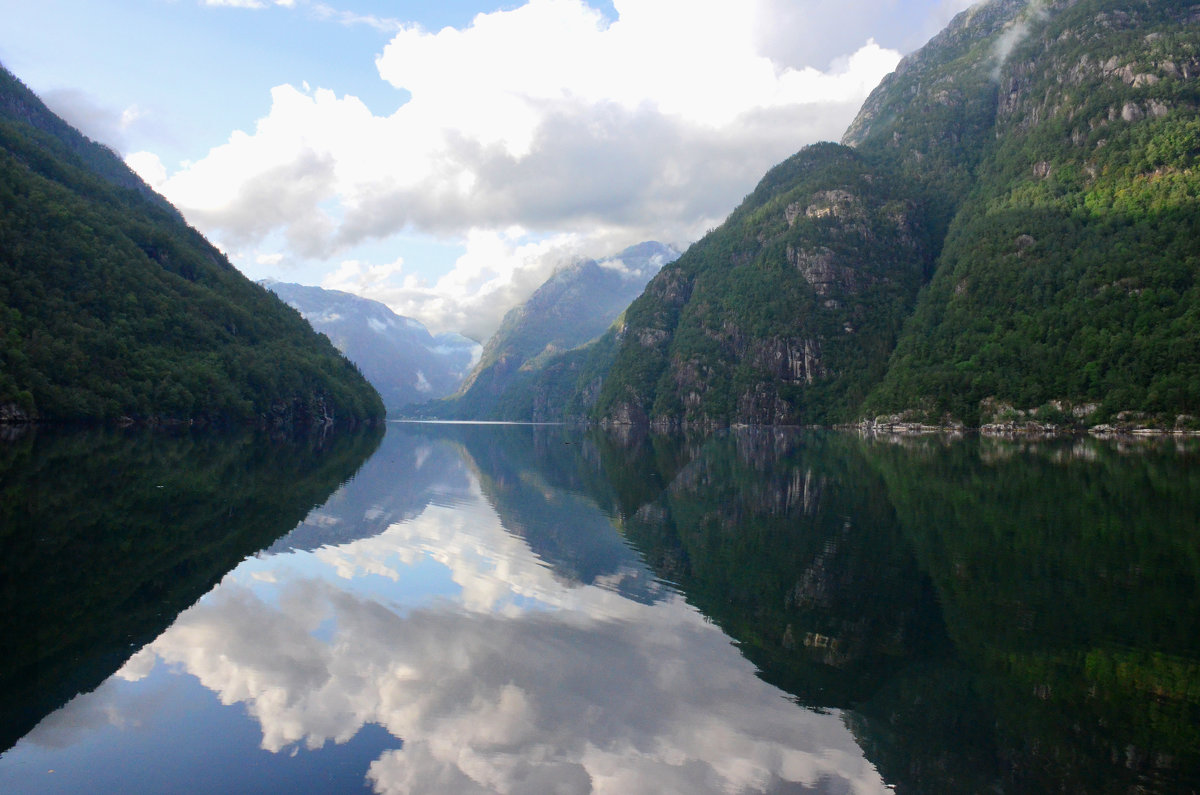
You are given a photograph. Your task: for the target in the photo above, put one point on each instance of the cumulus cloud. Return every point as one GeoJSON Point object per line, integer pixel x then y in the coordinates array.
{"type": "Point", "coordinates": [500, 268]}
{"type": "Point", "coordinates": [548, 116]}
{"type": "Point", "coordinates": [148, 166]}
{"type": "Point", "coordinates": [539, 701]}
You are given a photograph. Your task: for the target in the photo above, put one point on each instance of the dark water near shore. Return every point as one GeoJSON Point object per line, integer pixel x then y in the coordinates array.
{"type": "Point", "coordinates": [457, 608]}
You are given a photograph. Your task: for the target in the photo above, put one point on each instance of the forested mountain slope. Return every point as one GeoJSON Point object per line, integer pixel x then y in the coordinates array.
{"type": "Point", "coordinates": [1068, 276]}
{"type": "Point", "coordinates": [1032, 167]}
{"type": "Point", "coordinates": [112, 307]}
{"type": "Point", "coordinates": [788, 311]}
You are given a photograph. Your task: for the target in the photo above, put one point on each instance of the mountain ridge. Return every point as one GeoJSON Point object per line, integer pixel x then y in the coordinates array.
{"type": "Point", "coordinates": [113, 309]}
{"type": "Point", "coordinates": [1041, 155]}
{"type": "Point", "coordinates": [527, 367]}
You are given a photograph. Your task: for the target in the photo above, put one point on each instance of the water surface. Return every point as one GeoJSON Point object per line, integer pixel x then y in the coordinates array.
{"type": "Point", "coordinates": [521, 609]}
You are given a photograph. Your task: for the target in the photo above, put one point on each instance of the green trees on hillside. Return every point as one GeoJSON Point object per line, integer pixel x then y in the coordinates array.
{"type": "Point", "coordinates": [111, 307]}
{"type": "Point", "coordinates": [1043, 160]}
{"type": "Point", "coordinates": [548, 357]}
{"type": "Point", "coordinates": [1069, 273]}
{"type": "Point", "coordinates": [788, 311]}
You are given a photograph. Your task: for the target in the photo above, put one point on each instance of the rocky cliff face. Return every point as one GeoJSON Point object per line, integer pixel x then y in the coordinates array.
{"type": "Point", "coordinates": [1034, 163]}
{"type": "Point", "coordinates": [786, 313]}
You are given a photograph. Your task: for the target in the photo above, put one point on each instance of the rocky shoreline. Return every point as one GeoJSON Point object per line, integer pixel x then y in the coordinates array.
{"type": "Point", "coordinates": [1024, 429]}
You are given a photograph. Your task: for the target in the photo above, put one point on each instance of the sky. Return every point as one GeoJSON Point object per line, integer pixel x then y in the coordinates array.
{"type": "Point", "coordinates": [445, 157]}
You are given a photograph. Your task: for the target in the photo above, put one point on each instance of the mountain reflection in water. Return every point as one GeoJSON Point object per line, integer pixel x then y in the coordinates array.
{"type": "Point", "coordinates": [540, 609]}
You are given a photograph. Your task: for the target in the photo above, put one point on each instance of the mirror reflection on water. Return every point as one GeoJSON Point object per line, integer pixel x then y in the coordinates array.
{"type": "Point", "coordinates": [462, 608]}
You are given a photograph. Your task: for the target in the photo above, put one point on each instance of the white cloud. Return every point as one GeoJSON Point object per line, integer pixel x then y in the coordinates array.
{"type": "Point", "coordinates": [500, 268]}
{"type": "Point", "coordinates": [529, 702]}
{"type": "Point", "coordinates": [148, 166]}
{"type": "Point", "coordinates": [318, 10]}
{"type": "Point", "coordinates": [349, 18]}
{"type": "Point", "coordinates": [802, 33]}
{"type": "Point", "coordinates": [1007, 41]}
{"type": "Point", "coordinates": [546, 116]}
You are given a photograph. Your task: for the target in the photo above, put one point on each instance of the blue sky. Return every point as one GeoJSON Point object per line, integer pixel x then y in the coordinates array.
{"type": "Point", "coordinates": [445, 157]}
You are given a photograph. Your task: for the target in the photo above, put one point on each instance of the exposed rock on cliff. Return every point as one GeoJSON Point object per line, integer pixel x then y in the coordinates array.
{"type": "Point", "coordinates": [786, 313]}
{"type": "Point", "coordinates": [1035, 163]}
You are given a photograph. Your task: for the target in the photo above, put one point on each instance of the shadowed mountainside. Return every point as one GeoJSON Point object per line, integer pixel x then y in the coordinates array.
{"type": "Point", "coordinates": [112, 308]}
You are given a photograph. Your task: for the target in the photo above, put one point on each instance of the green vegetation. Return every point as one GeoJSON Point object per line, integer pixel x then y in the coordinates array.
{"type": "Point", "coordinates": [788, 311]}
{"type": "Point", "coordinates": [790, 545]}
{"type": "Point", "coordinates": [1069, 274]}
{"type": "Point", "coordinates": [111, 307]}
{"type": "Point", "coordinates": [1068, 576]}
{"type": "Point", "coordinates": [990, 615]}
{"type": "Point", "coordinates": [1043, 160]}
{"type": "Point", "coordinates": [561, 387]}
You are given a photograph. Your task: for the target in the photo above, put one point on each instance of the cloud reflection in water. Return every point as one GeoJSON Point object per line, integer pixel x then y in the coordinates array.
{"type": "Point", "coordinates": [516, 680]}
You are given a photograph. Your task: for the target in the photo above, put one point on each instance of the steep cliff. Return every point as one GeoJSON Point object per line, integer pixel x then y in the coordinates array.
{"type": "Point", "coordinates": [1068, 276]}
{"type": "Point", "coordinates": [1034, 164]}
{"type": "Point", "coordinates": [788, 311]}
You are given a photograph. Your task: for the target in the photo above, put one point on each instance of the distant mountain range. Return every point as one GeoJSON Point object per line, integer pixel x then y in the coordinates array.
{"type": "Point", "coordinates": [397, 354]}
{"type": "Point", "coordinates": [573, 308]}
{"type": "Point", "coordinates": [114, 309]}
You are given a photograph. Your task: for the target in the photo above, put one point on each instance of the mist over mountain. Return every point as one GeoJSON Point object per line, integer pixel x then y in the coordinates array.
{"type": "Point", "coordinates": [397, 354]}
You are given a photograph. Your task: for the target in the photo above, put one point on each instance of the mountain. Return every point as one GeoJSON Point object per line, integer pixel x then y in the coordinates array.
{"type": "Point", "coordinates": [112, 308]}
{"type": "Point", "coordinates": [1006, 229]}
{"type": "Point", "coordinates": [526, 367]}
{"type": "Point", "coordinates": [787, 312]}
{"type": "Point", "coordinates": [397, 354]}
{"type": "Point", "coordinates": [1067, 280]}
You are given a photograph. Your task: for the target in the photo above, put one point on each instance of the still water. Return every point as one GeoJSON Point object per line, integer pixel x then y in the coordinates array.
{"type": "Point", "coordinates": [455, 608]}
